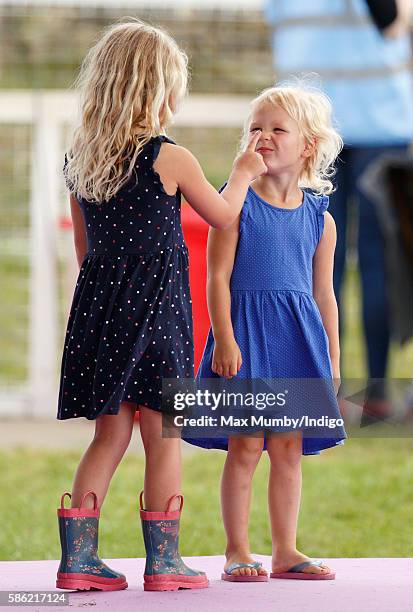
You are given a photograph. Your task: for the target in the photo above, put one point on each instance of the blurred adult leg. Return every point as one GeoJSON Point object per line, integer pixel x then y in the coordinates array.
{"type": "Point", "coordinates": [371, 252]}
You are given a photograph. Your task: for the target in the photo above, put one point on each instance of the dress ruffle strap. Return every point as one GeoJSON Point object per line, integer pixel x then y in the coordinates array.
{"type": "Point", "coordinates": [322, 207]}
{"type": "Point", "coordinates": [157, 141]}
{"type": "Point", "coordinates": [324, 202]}
{"type": "Point", "coordinates": [156, 145]}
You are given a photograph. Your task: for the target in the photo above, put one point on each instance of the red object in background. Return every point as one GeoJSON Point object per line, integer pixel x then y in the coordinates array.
{"type": "Point", "coordinates": [196, 233]}
{"type": "Point", "coordinates": [65, 223]}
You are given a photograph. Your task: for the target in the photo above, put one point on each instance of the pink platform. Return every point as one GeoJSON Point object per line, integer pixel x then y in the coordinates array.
{"type": "Point", "coordinates": [376, 585]}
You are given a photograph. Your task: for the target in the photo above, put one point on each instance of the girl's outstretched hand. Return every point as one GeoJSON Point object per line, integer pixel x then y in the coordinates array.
{"type": "Point", "coordinates": [226, 359]}
{"type": "Point", "coordinates": [250, 162]}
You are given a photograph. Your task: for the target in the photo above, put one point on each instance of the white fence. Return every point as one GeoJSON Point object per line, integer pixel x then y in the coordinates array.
{"type": "Point", "coordinates": [49, 112]}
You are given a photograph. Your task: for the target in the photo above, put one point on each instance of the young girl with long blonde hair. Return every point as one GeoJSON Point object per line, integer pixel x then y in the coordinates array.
{"type": "Point", "coordinates": [130, 323]}
{"type": "Point", "coordinates": [274, 316]}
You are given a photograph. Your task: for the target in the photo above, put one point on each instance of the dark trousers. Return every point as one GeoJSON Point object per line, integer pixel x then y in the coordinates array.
{"type": "Point", "coordinates": [370, 248]}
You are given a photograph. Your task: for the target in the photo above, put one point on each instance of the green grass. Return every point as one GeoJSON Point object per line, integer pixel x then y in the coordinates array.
{"type": "Point", "coordinates": [352, 345]}
{"type": "Point", "coordinates": [356, 502]}
{"type": "Point", "coordinates": [14, 318]}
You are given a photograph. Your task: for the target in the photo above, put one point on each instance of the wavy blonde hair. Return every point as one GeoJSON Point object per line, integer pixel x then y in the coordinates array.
{"type": "Point", "coordinates": [312, 111]}
{"type": "Point", "coordinates": [130, 83]}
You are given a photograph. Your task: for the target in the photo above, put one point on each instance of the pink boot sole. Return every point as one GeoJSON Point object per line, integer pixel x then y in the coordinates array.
{"type": "Point", "coordinates": [173, 582]}
{"type": "Point", "coordinates": [86, 582]}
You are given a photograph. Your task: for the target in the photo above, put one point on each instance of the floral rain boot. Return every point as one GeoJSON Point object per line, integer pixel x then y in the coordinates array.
{"type": "Point", "coordinates": [165, 569]}
{"type": "Point", "coordinates": [80, 567]}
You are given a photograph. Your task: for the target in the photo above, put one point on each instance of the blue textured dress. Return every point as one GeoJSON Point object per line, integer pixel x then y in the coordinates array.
{"type": "Point", "coordinates": [130, 322]}
{"type": "Point", "coordinates": [276, 320]}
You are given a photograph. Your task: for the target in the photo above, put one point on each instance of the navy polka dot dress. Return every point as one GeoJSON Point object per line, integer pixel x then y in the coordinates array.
{"type": "Point", "coordinates": [130, 322]}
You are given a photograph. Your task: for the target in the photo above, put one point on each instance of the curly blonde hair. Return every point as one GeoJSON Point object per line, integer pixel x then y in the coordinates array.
{"type": "Point", "coordinates": [312, 111]}
{"type": "Point", "coordinates": [130, 83]}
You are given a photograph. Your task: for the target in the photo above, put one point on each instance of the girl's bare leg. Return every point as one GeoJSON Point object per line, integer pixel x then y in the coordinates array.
{"type": "Point", "coordinates": [244, 453]}
{"type": "Point", "coordinates": [284, 494]}
{"type": "Point", "coordinates": [163, 462]}
{"type": "Point", "coordinates": [100, 460]}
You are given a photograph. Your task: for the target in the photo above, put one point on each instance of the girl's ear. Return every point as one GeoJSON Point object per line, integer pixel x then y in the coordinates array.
{"type": "Point", "coordinates": [309, 147]}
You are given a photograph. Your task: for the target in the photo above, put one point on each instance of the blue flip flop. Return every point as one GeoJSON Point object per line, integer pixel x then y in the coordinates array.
{"type": "Point", "coordinates": [297, 573]}
{"type": "Point", "coordinates": [227, 574]}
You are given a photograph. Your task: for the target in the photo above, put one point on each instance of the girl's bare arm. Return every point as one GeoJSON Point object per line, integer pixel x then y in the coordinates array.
{"type": "Point", "coordinates": [221, 249]}
{"type": "Point", "coordinates": [323, 292]}
{"type": "Point", "coordinates": [179, 168]}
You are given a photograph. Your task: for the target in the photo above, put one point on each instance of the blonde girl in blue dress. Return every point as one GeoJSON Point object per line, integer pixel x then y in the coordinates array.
{"type": "Point", "coordinates": [274, 315]}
